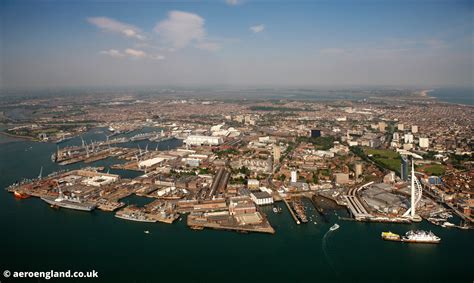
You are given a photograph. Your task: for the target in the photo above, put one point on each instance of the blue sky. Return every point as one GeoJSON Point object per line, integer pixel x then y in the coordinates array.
{"type": "Point", "coordinates": [236, 42]}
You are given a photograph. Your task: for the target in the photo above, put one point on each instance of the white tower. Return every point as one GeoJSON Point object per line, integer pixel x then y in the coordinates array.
{"type": "Point", "coordinates": [413, 204]}
{"type": "Point", "coordinates": [416, 189]}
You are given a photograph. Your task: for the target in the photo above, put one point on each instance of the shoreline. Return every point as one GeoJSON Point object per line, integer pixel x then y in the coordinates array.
{"type": "Point", "coordinates": [425, 94]}
{"type": "Point", "coordinates": [19, 138]}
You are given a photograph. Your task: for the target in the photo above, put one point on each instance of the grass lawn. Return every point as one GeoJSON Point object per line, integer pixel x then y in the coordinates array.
{"type": "Point", "coordinates": [384, 153]}
{"type": "Point", "coordinates": [433, 169]}
{"type": "Point", "coordinates": [386, 158]}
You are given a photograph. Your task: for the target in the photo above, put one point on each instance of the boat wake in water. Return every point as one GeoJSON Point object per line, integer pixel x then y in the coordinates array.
{"type": "Point", "coordinates": [326, 255]}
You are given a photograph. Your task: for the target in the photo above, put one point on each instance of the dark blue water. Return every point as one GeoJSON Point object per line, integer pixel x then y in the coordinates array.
{"type": "Point", "coordinates": [454, 95]}
{"type": "Point", "coordinates": [35, 237]}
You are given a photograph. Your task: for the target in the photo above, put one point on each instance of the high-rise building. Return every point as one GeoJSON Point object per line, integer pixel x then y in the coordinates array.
{"type": "Point", "coordinates": [424, 142]}
{"type": "Point", "coordinates": [276, 153]}
{"type": "Point", "coordinates": [400, 127]}
{"type": "Point", "coordinates": [382, 126]}
{"type": "Point", "coordinates": [358, 170]}
{"type": "Point", "coordinates": [404, 169]}
{"type": "Point", "coordinates": [294, 176]}
{"type": "Point", "coordinates": [414, 129]}
{"type": "Point", "coordinates": [396, 136]}
{"type": "Point", "coordinates": [315, 133]}
{"type": "Point", "coordinates": [341, 178]}
{"type": "Point", "coordinates": [408, 138]}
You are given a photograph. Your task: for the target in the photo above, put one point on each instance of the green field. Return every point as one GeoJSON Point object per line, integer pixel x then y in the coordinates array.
{"type": "Point", "coordinates": [434, 169]}
{"type": "Point", "coordinates": [386, 158]}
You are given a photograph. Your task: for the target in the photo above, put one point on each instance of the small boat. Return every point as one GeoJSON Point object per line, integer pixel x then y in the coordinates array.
{"type": "Point", "coordinates": [334, 227]}
{"type": "Point", "coordinates": [54, 206]}
{"type": "Point", "coordinates": [146, 232]}
{"type": "Point", "coordinates": [194, 227]}
{"type": "Point", "coordinates": [447, 224]}
{"type": "Point", "coordinates": [275, 209]}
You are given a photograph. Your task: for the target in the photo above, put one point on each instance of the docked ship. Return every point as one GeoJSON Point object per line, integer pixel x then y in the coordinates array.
{"type": "Point", "coordinates": [138, 217]}
{"type": "Point", "coordinates": [143, 136]}
{"type": "Point", "coordinates": [71, 203]}
{"type": "Point", "coordinates": [20, 195]}
{"type": "Point", "coordinates": [63, 139]}
{"type": "Point", "coordinates": [389, 236]}
{"type": "Point", "coordinates": [447, 224]}
{"type": "Point", "coordinates": [161, 139]}
{"type": "Point", "coordinates": [421, 237]}
{"type": "Point", "coordinates": [412, 237]}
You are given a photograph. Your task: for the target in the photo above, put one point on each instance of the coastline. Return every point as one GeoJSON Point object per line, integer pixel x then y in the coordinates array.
{"type": "Point", "coordinates": [16, 136]}
{"type": "Point", "coordinates": [425, 95]}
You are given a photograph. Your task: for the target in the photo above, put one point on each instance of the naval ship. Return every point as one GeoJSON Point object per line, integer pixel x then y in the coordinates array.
{"type": "Point", "coordinates": [71, 203]}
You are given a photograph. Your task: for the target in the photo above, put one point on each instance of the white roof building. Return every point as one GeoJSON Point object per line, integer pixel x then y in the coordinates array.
{"type": "Point", "coordinates": [150, 162]}
{"type": "Point", "coordinates": [202, 140]}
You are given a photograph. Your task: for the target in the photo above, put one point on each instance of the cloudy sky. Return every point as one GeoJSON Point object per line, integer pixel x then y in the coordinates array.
{"type": "Point", "coordinates": [236, 42]}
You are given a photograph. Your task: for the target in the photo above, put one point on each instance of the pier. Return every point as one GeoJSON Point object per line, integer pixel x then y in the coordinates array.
{"type": "Point", "coordinates": [291, 212]}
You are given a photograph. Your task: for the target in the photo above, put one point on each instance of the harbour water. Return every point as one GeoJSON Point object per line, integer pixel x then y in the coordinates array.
{"type": "Point", "coordinates": [454, 95]}
{"type": "Point", "coordinates": [35, 237]}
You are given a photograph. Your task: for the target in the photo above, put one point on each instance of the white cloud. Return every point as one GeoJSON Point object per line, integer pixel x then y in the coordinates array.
{"type": "Point", "coordinates": [181, 29]}
{"type": "Point", "coordinates": [131, 53]}
{"type": "Point", "coordinates": [233, 2]}
{"type": "Point", "coordinates": [112, 52]}
{"type": "Point", "coordinates": [257, 28]}
{"type": "Point", "coordinates": [135, 53]}
{"type": "Point", "coordinates": [111, 25]}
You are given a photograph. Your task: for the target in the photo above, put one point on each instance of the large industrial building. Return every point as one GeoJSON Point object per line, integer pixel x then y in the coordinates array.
{"type": "Point", "coordinates": [261, 198]}
{"type": "Point", "coordinates": [202, 140]}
